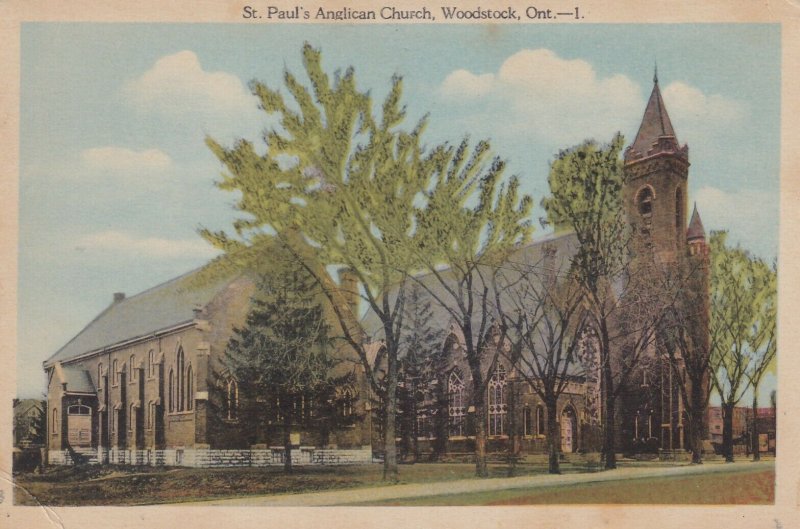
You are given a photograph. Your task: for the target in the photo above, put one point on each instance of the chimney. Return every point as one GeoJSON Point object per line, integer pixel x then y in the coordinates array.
{"type": "Point", "coordinates": [348, 284]}
{"type": "Point", "coordinates": [119, 296]}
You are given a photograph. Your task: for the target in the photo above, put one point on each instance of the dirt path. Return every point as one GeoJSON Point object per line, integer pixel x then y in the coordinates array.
{"type": "Point", "coordinates": [465, 486]}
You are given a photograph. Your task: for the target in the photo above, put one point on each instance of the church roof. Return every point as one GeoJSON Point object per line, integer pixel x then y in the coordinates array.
{"type": "Point", "coordinates": [695, 230]}
{"type": "Point", "coordinates": [161, 307]}
{"type": "Point", "coordinates": [77, 380]}
{"type": "Point", "coordinates": [655, 122]}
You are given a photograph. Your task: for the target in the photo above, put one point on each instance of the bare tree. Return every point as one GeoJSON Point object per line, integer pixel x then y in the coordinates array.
{"type": "Point", "coordinates": [543, 315]}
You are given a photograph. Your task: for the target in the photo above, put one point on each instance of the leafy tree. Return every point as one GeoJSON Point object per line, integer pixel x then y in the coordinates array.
{"type": "Point", "coordinates": [281, 358]}
{"type": "Point", "coordinates": [743, 314]}
{"type": "Point", "coordinates": [470, 224]}
{"type": "Point", "coordinates": [543, 313]}
{"type": "Point", "coordinates": [624, 309]}
{"type": "Point", "coordinates": [337, 187]}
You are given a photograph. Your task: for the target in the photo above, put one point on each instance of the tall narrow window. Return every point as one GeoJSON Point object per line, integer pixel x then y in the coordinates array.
{"type": "Point", "coordinates": [55, 422]}
{"type": "Point", "coordinates": [497, 402]}
{"type": "Point", "coordinates": [132, 363]}
{"type": "Point", "coordinates": [151, 357]}
{"type": "Point", "coordinates": [644, 201]}
{"type": "Point", "coordinates": [539, 420]}
{"type": "Point", "coordinates": [99, 374]}
{"type": "Point", "coordinates": [232, 399]}
{"type": "Point", "coordinates": [455, 401]}
{"type": "Point", "coordinates": [189, 389]}
{"type": "Point", "coordinates": [181, 375]}
{"type": "Point", "coordinates": [347, 402]}
{"type": "Point", "coordinates": [171, 391]}
{"type": "Point", "coordinates": [528, 422]}
{"type": "Point", "coordinates": [115, 374]}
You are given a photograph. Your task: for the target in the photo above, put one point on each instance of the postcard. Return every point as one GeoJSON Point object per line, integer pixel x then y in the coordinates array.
{"type": "Point", "coordinates": [505, 263]}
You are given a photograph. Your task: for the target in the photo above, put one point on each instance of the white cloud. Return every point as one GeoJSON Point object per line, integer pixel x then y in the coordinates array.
{"type": "Point", "coordinates": [699, 118]}
{"type": "Point", "coordinates": [177, 83]}
{"type": "Point", "coordinates": [120, 159]}
{"type": "Point", "coordinates": [120, 243]}
{"type": "Point", "coordinates": [561, 100]}
{"type": "Point", "coordinates": [750, 216]}
{"type": "Point", "coordinates": [462, 83]}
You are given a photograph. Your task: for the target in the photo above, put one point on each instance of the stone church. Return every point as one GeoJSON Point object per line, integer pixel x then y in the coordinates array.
{"type": "Point", "coordinates": [133, 386]}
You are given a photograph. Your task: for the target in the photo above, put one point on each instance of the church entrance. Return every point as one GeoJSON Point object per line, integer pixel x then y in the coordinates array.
{"type": "Point", "coordinates": [568, 441]}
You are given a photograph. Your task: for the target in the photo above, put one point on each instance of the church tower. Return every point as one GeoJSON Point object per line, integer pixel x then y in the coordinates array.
{"type": "Point", "coordinates": [656, 172]}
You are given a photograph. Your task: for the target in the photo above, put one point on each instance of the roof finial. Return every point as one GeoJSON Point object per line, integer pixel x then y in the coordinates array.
{"type": "Point", "coordinates": [655, 74]}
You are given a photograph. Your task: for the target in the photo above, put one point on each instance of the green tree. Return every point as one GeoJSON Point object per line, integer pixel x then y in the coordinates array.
{"type": "Point", "coordinates": [614, 273]}
{"type": "Point", "coordinates": [337, 186]}
{"type": "Point", "coordinates": [743, 319]}
{"type": "Point", "coordinates": [470, 224]}
{"type": "Point", "coordinates": [281, 358]}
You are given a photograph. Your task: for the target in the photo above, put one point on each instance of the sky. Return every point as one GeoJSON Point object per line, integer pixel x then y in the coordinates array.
{"type": "Point", "coordinates": [115, 178]}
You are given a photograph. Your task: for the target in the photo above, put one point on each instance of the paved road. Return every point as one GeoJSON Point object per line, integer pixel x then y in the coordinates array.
{"type": "Point", "coordinates": [464, 486]}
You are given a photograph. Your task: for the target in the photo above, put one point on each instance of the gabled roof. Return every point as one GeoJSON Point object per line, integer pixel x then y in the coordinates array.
{"type": "Point", "coordinates": [655, 122]}
{"type": "Point", "coordinates": [551, 254]}
{"type": "Point", "coordinates": [695, 230]}
{"type": "Point", "coordinates": [77, 380]}
{"type": "Point", "coordinates": [161, 307]}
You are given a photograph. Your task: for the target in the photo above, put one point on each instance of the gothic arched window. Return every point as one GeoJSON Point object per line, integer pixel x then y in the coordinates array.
{"type": "Point", "coordinates": [171, 390]}
{"type": "Point", "coordinates": [539, 420]}
{"type": "Point", "coordinates": [347, 402]}
{"type": "Point", "coordinates": [527, 420]}
{"type": "Point", "coordinates": [180, 380]}
{"type": "Point", "coordinates": [497, 402]}
{"type": "Point", "coordinates": [133, 368]}
{"type": "Point", "coordinates": [115, 374]}
{"type": "Point", "coordinates": [455, 401]}
{"type": "Point", "coordinates": [231, 399]}
{"type": "Point", "coordinates": [644, 201]}
{"type": "Point", "coordinates": [151, 360]}
{"type": "Point", "coordinates": [189, 389]}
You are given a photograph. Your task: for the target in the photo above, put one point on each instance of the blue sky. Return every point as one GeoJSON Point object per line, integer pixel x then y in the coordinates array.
{"type": "Point", "coordinates": [115, 178]}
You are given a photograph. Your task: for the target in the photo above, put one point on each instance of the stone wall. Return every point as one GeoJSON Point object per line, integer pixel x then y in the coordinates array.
{"type": "Point", "coordinates": [206, 458]}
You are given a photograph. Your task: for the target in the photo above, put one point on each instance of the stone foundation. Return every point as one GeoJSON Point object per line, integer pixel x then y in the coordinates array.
{"type": "Point", "coordinates": [207, 458]}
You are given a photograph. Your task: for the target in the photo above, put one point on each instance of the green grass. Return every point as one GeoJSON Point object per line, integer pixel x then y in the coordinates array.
{"type": "Point", "coordinates": [125, 485]}
{"type": "Point", "coordinates": [741, 487]}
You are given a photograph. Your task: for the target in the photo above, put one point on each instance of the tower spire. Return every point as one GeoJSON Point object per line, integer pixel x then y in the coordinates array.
{"type": "Point", "coordinates": [655, 74]}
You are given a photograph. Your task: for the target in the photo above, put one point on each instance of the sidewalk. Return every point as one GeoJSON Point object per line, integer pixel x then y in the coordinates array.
{"type": "Point", "coordinates": [464, 486]}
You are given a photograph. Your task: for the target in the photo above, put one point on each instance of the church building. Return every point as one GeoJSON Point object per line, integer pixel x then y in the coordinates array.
{"type": "Point", "coordinates": [133, 386]}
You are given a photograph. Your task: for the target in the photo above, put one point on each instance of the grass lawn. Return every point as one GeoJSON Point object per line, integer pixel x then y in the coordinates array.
{"type": "Point", "coordinates": [741, 487]}
{"type": "Point", "coordinates": [126, 485]}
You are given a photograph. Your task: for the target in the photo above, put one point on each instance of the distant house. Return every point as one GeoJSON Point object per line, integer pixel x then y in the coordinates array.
{"type": "Point", "coordinates": [742, 427]}
{"type": "Point", "coordinates": [27, 423]}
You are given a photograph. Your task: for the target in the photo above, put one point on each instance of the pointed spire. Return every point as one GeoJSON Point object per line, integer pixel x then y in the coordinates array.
{"type": "Point", "coordinates": [655, 74]}
{"type": "Point", "coordinates": [695, 230]}
{"type": "Point", "coordinates": [655, 123]}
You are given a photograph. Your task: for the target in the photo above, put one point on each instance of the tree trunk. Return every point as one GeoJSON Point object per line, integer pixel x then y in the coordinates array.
{"type": "Point", "coordinates": [389, 431]}
{"type": "Point", "coordinates": [609, 453]}
{"type": "Point", "coordinates": [553, 437]}
{"type": "Point", "coordinates": [481, 469]}
{"type": "Point", "coordinates": [727, 432]}
{"type": "Point", "coordinates": [287, 437]}
{"type": "Point", "coordinates": [754, 429]}
{"type": "Point", "coordinates": [697, 412]}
